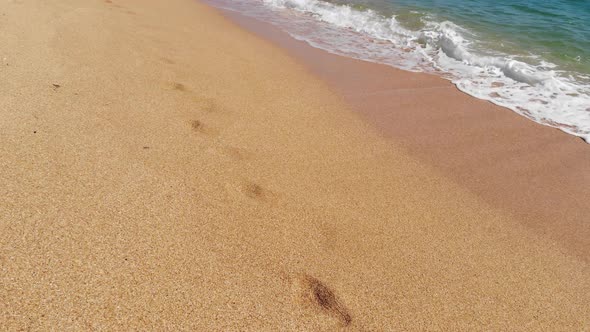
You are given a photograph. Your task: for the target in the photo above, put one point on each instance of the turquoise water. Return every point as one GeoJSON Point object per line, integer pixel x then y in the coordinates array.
{"type": "Point", "coordinates": [530, 56]}
{"type": "Point", "coordinates": [557, 31]}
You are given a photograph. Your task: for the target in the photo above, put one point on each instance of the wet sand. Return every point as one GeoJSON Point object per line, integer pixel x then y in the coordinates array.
{"type": "Point", "coordinates": [538, 174]}
{"type": "Point", "coordinates": [163, 169]}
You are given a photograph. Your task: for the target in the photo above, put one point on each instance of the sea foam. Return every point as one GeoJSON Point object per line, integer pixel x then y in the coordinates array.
{"type": "Point", "coordinates": [531, 87]}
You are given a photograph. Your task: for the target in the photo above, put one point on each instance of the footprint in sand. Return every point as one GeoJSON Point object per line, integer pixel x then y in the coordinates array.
{"type": "Point", "coordinates": [178, 86]}
{"type": "Point", "coordinates": [110, 2]}
{"type": "Point", "coordinates": [258, 193]}
{"type": "Point", "coordinates": [206, 107]}
{"type": "Point", "coordinates": [167, 61]}
{"type": "Point", "coordinates": [202, 104]}
{"type": "Point", "coordinates": [249, 191]}
{"type": "Point", "coordinates": [196, 125]}
{"type": "Point", "coordinates": [199, 126]}
{"type": "Point", "coordinates": [314, 294]}
{"type": "Point", "coordinates": [254, 191]}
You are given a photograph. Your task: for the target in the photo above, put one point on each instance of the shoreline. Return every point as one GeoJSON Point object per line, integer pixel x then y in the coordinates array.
{"type": "Point", "coordinates": [165, 169]}
{"type": "Point", "coordinates": [438, 47]}
{"type": "Point", "coordinates": [488, 149]}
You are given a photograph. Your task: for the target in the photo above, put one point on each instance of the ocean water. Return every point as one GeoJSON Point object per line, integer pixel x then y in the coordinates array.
{"type": "Point", "coordinates": [532, 56]}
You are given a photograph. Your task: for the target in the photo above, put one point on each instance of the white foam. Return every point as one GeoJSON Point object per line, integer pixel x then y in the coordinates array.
{"type": "Point", "coordinates": [541, 92]}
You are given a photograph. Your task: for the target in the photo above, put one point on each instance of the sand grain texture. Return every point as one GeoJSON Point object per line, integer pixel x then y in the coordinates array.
{"type": "Point", "coordinates": [187, 175]}
{"type": "Point", "coordinates": [537, 174]}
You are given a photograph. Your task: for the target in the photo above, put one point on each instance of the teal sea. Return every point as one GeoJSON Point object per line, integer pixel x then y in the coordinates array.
{"type": "Point", "coordinates": [530, 56]}
{"type": "Point", "coordinates": [557, 31]}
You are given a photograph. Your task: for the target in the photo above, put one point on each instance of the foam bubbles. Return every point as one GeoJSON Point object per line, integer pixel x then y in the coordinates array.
{"type": "Point", "coordinates": [535, 88]}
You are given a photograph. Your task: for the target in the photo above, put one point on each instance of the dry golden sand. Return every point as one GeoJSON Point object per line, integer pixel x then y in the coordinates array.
{"type": "Point", "coordinates": [164, 170]}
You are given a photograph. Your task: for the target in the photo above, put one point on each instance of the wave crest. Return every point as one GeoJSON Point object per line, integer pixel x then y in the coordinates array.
{"type": "Point", "coordinates": [537, 89]}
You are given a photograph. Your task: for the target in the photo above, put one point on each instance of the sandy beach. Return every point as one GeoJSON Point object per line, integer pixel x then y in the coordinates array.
{"type": "Point", "coordinates": [163, 168]}
{"type": "Point", "coordinates": [538, 174]}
